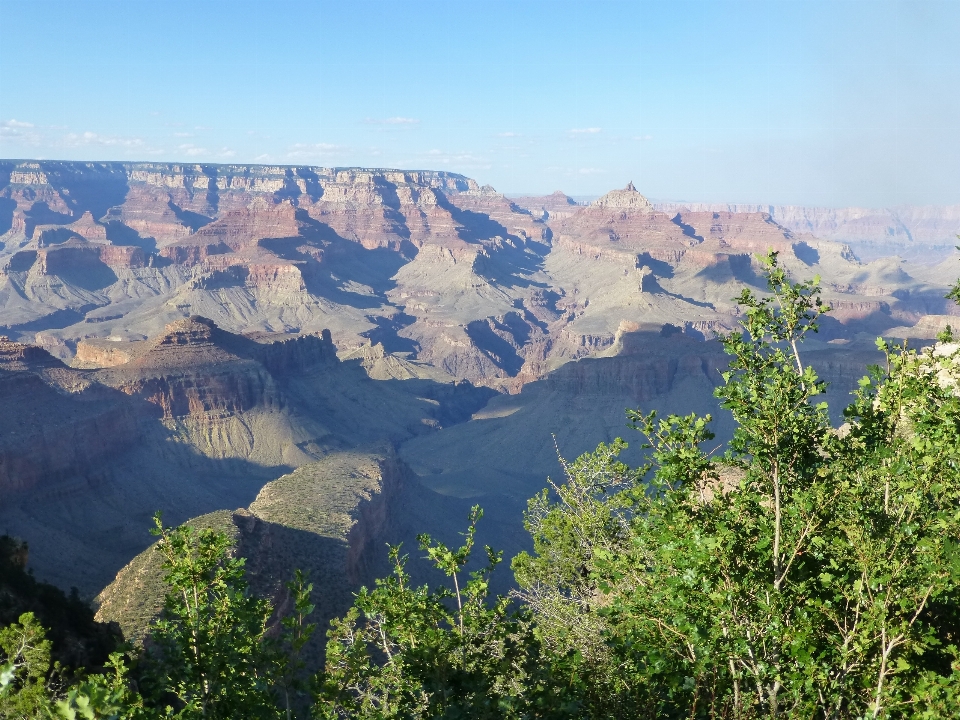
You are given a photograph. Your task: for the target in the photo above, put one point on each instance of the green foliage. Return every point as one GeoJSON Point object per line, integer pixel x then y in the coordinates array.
{"type": "Point", "coordinates": [808, 572]}
{"type": "Point", "coordinates": [405, 652]}
{"type": "Point", "coordinates": [24, 670]}
{"type": "Point", "coordinates": [296, 634]}
{"type": "Point", "coordinates": [209, 647]}
{"type": "Point", "coordinates": [210, 654]}
{"type": "Point", "coordinates": [954, 293]}
{"type": "Point", "coordinates": [76, 638]}
{"type": "Point", "coordinates": [107, 696]}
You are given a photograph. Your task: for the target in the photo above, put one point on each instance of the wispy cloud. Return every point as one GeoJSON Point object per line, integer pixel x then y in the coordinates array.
{"type": "Point", "coordinates": [643, 137]}
{"type": "Point", "coordinates": [397, 120]}
{"type": "Point", "coordinates": [509, 134]}
{"type": "Point", "coordinates": [53, 138]}
{"type": "Point", "coordinates": [572, 172]}
{"type": "Point", "coordinates": [192, 150]}
{"type": "Point", "coordinates": [463, 160]}
{"type": "Point", "coordinates": [19, 132]}
{"type": "Point", "coordinates": [395, 123]}
{"type": "Point", "coordinates": [182, 134]}
{"type": "Point", "coordinates": [96, 139]}
{"type": "Point", "coordinates": [311, 151]}
{"type": "Point", "coordinates": [585, 131]}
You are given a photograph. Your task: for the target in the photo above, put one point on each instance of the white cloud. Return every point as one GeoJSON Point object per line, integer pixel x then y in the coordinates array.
{"type": "Point", "coordinates": [643, 137]}
{"type": "Point", "coordinates": [585, 131]}
{"type": "Point", "coordinates": [53, 139]}
{"type": "Point", "coordinates": [509, 134]}
{"type": "Point", "coordinates": [464, 160]}
{"type": "Point", "coordinates": [262, 158]}
{"type": "Point", "coordinates": [192, 150]}
{"type": "Point", "coordinates": [309, 151]}
{"type": "Point", "coordinates": [92, 138]}
{"type": "Point", "coordinates": [391, 121]}
{"type": "Point", "coordinates": [226, 153]}
{"type": "Point", "coordinates": [182, 134]}
{"type": "Point", "coordinates": [19, 132]}
{"type": "Point", "coordinates": [572, 172]}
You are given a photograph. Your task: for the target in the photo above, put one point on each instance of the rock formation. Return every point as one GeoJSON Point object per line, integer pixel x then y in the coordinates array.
{"type": "Point", "coordinates": [186, 421]}
{"type": "Point", "coordinates": [177, 336]}
{"type": "Point", "coordinates": [920, 233]}
{"type": "Point", "coordinates": [430, 264]}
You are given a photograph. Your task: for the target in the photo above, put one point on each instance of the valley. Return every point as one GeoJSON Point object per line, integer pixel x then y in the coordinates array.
{"type": "Point", "coordinates": [324, 360]}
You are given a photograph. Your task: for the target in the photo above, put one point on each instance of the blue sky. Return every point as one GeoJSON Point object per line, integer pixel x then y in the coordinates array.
{"type": "Point", "coordinates": [833, 102]}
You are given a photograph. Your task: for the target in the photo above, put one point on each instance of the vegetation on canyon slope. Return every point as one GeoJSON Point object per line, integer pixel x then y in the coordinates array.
{"type": "Point", "coordinates": [807, 571]}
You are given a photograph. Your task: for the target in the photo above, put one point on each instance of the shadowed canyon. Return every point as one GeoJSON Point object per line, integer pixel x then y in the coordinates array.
{"type": "Point", "coordinates": [323, 360]}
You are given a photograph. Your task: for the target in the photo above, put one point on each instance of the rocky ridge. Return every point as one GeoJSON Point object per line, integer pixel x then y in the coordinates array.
{"type": "Point", "coordinates": [430, 265]}
{"type": "Point", "coordinates": [329, 518]}
{"type": "Point", "coordinates": [920, 233]}
{"type": "Point", "coordinates": [187, 421]}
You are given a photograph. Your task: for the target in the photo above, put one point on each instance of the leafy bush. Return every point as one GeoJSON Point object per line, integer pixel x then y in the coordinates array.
{"type": "Point", "coordinates": [806, 572]}
{"type": "Point", "coordinates": [407, 652]}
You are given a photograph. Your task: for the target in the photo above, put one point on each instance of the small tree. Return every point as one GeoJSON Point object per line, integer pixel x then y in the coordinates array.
{"type": "Point", "coordinates": [209, 648]}
{"type": "Point", "coordinates": [405, 652]}
{"type": "Point", "coordinates": [25, 671]}
{"type": "Point", "coordinates": [807, 572]}
{"type": "Point", "coordinates": [296, 634]}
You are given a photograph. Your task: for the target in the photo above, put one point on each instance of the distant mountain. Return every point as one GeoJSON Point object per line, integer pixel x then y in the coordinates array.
{"type": "Point", "coordinates": [923, 234]}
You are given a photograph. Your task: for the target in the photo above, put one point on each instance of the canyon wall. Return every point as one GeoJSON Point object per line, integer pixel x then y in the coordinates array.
{"type": "Point", "coordinates": [175, 336]}
{"type": "Point", "coordinates": [922, 233]}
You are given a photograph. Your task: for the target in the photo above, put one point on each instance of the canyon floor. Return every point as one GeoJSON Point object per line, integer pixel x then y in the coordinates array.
{"type": "Point", "coordinates": [325, 360]}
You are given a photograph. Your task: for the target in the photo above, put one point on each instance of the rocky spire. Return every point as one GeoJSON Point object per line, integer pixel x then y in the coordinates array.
{"type": "Point", "coordinates": [626, 199]}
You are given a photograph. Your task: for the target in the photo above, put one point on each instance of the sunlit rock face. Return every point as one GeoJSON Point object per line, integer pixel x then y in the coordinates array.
{"type": "Point", "coordinates": [430, 264]}
{"type": "Point", "coordinates": [176, 336]}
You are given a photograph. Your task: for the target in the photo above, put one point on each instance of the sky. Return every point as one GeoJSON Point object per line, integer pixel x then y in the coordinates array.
{"type": "Point", "coordinates": [802, 102]}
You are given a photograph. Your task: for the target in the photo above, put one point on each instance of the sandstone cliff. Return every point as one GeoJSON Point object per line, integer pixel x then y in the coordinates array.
{"type": "Point", "coordinates": [329, 518]}
{"type": "Point", "coordinates": [189, 421]}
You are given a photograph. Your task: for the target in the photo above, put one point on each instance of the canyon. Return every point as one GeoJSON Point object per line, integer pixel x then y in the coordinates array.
{"type": "Point", "coordinates": [923, 234]}
{"type": "Point", "coordinates": [323, 360]}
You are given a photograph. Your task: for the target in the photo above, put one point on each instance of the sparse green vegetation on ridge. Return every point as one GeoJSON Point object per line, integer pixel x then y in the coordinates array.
{"type": "Point", "coordinates": [807, 571]}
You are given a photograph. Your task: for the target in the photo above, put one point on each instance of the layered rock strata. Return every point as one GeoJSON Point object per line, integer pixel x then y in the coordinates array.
{"type": "Point", "coordinates": [429, 264]}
